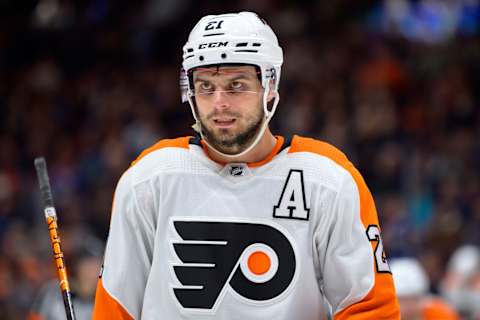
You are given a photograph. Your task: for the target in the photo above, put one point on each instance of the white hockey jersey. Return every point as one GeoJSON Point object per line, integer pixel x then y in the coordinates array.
{"type": "Point", "coordinates": [194, 239]}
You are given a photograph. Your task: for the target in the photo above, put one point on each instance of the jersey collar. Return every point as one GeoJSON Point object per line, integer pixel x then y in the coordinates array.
{"type": "Point", "coordinates": [279, 146]}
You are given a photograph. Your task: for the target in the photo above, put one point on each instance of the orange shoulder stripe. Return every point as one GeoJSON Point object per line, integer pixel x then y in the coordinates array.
{"type": "Point", "coordinates": [181, 142]}
{"type": "Point", "coordinates": [106, 307]}
{"type": "Point", "coordinates": [381, 301]}
{"type": "Point", "coordinates": [368, 211]}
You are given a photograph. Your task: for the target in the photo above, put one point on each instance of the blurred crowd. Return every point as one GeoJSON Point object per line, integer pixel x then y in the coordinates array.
{"type": "Point", "coordinates": [89, 84]}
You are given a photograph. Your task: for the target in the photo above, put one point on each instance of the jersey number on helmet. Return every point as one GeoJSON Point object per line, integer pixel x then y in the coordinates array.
{"type": "Point", "coordinates": [214, 25]}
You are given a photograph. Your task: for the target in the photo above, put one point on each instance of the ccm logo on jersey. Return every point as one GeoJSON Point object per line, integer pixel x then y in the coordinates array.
{"type": "Point", "coordinates": [256, 261]}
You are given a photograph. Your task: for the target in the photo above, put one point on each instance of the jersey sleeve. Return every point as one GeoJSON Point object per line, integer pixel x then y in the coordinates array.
{"type": "Point", "coordinates": [354, 274]}
{"type": "Point", "coordinates": [128, 254]}
{"type": "Point", "coordinates": [356, 278]}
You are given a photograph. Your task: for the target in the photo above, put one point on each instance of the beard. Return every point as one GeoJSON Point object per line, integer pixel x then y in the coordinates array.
{"type": "Point", "coordinates": [231, 143]}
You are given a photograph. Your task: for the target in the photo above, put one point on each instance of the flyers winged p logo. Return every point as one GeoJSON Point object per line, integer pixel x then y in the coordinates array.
{"type": "Point", "coordinates": [257, 261]}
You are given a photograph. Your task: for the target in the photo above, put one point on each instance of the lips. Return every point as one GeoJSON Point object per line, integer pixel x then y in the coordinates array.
{"type": "Point", "coordinates": [224, 122]}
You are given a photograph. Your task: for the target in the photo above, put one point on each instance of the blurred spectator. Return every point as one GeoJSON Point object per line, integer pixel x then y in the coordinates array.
{"type": "Point", "coordinates": [461, 284]}
{"type": "Point", "coordinates": [412, 286]}
{"type": "Point", "coordinates": [83, 276]}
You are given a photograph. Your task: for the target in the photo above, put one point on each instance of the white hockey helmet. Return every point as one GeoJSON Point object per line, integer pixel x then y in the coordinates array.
{"type": "Point", "coordinates": [465, 261]}
{"type": "Point", "coordinates": [409, 277]}
{"type": "Point", "coordinates": [234, 38]}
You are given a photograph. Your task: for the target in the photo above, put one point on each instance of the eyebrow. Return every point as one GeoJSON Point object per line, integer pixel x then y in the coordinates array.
{"type": "Point", "coordinates": [199, 78]}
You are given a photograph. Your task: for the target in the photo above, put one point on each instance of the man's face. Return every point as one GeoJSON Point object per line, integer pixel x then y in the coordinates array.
{"type": "Point", "coordinates": [228, 106]}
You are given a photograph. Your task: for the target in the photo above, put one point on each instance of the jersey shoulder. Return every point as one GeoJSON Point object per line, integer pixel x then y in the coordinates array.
{"type": "Point", "coordinates": [321, 148]}
{"type": "Point", "coordinates": [164, 156]}
{"type": "Point", "coordinates": [320, 162]}
{"type": "Point", "coordinates": [180, 142]}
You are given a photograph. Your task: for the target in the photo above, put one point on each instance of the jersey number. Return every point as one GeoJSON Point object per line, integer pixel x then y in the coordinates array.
{"type": "Point", "coordinates": [373, 234]}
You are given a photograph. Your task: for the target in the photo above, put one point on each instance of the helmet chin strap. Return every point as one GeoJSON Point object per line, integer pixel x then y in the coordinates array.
{"type": "Point", "coordinates": [268, 116]}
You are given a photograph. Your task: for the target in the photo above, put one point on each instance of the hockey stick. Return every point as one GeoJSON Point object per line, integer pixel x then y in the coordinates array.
{"type": "Point", "coordinates": [51, 217]}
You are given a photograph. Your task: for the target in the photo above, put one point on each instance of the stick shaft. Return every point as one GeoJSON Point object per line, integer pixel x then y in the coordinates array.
{"type": "Point", "coordinates": [51, 218]}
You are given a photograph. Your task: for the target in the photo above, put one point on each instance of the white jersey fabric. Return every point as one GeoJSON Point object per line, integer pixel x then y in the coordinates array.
{"type": "Point", "coordinates": [194, 239]}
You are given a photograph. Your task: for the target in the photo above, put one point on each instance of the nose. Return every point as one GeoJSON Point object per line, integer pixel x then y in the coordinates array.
{"type": "Point", "coordinates": [220, 99]}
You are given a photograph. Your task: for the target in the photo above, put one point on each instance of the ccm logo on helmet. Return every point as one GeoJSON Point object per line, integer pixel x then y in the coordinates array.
{"type": "Point", "coordinates": [257, 261]}
{"type": "Point", "coordinates": [213, 45]}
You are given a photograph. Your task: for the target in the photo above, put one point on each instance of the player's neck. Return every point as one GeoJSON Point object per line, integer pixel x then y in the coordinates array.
{"type": "Point", "coordinates": [261, 151]}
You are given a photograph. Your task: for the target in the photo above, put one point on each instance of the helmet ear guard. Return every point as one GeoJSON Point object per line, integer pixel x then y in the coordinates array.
{"type": "Point", "coordinates": [233, 39]}
{"type": "Point", "coordinates": [184, 85]}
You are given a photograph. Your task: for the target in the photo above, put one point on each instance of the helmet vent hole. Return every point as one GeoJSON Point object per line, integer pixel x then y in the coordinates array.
{"type": "Point", "coordinates": [256, 44]}
{"type": "Point", "coordinates": [242, 44]}
{"type": "Point", "coordinates": [201, 58]}
{"type": "Point", "coordinates": [224, 55]}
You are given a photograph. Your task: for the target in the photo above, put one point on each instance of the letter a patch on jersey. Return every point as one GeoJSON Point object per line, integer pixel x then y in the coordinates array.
{"type": "Point", "coordinates": [292, 203]}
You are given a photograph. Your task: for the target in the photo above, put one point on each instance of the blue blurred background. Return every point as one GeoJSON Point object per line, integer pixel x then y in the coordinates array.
{"type": "Point", "coordinates": [89, 84]}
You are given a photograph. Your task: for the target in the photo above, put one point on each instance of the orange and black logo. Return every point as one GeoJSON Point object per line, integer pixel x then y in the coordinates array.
{"type": "Point", "coordinates": [257, 261]}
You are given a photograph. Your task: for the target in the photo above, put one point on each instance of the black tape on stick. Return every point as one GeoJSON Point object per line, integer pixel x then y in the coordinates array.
{"type": "Point", "coordinates": [44, 182]}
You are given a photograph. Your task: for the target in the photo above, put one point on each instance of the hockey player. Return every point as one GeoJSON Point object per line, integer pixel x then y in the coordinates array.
{"type": "Point", "coordinates": [412, 287]}
{"type": "Point", "coordinates": [237, 223]}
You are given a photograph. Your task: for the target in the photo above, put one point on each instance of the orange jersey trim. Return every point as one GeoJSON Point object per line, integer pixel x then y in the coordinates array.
{"type": "Point", "coordinates": [381, 301]}
{"type": "Point", "coordinates": [106, 307]}
{"type": "Point", "coordinates": [182, 142]}
{"type": "Point", "coordinates": [273, 153]}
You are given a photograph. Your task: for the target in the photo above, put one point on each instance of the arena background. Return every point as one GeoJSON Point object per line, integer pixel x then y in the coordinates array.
{"type": "Point", "coordinates": [89, 84]}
